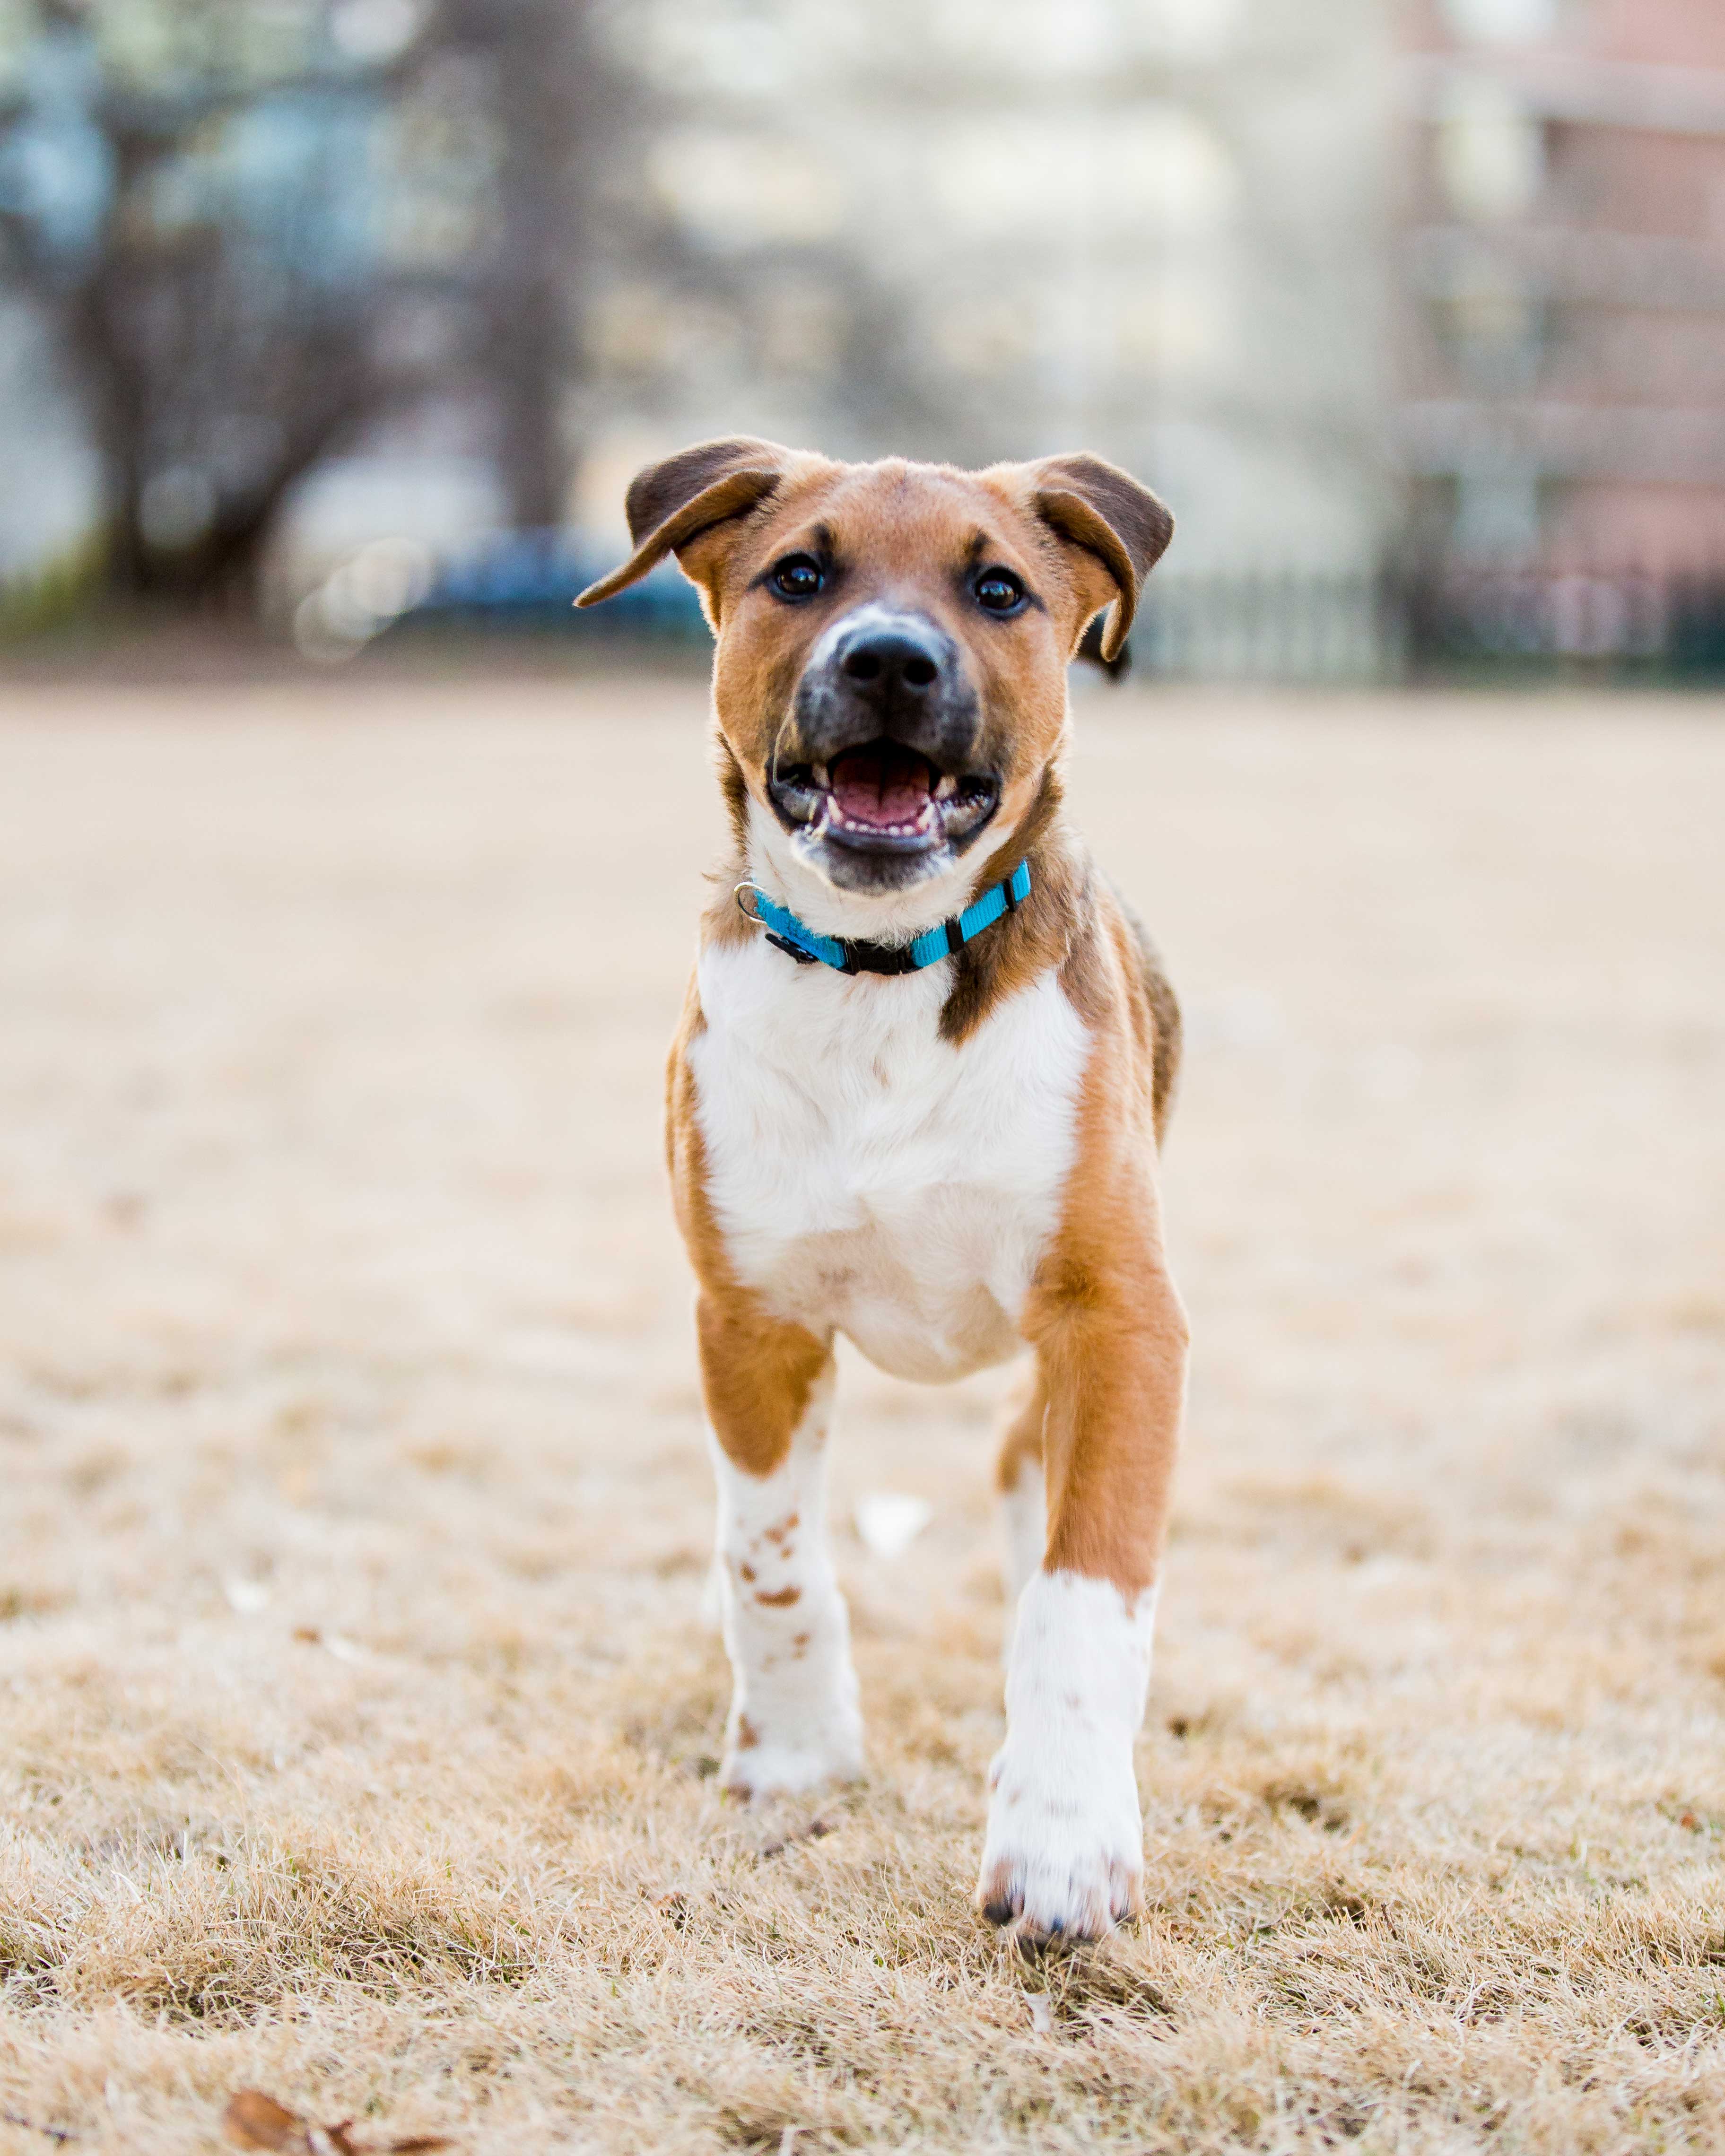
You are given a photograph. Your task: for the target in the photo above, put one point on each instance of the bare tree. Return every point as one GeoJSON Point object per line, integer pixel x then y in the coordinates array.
{"type": "Point", "coordinates": [207, 250]}
{"type": "Point", "coordinates": [557, 105]}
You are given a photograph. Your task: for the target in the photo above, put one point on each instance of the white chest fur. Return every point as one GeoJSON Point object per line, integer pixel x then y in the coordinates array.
{"type": "Point", "coordinates": [867, 1176]}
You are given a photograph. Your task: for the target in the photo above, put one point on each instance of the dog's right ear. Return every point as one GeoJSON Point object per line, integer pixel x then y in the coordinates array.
{"type": "Point", "coordinates": [672, 504]}
{"type": "Point", "coordinates": [1105, 513]}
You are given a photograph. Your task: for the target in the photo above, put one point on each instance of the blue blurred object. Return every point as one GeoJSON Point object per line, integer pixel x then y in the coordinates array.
{"type": "Point", "coordinates": [58, 170]}
{"type": "Point", "coordinates": [529, 580]}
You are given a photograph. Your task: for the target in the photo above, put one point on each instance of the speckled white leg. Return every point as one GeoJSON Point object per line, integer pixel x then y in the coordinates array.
{"type": "Point", "coordinates": [1064, 1849]}
{"type": "Point", "coordinates": [794, 1716]}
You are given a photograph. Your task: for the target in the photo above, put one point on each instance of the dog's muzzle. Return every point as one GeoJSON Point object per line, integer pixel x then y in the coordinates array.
{"type": "Point", "coordinates": [879, 759]}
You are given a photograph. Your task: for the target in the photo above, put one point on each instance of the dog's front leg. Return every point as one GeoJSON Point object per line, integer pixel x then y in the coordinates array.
{"type": "Point", "coordinates": [1063, 1853]}
{"type": "Point", "coordinates": [794, 1716]}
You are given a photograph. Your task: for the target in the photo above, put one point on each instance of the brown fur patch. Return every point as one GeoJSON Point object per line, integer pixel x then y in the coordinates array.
{"type": "Point", "coordinates": [1107, 1325]}
{"type": "Point", "coordinates": [1019, 946]}
{"type": "Point", "coordinates": [757, 1372]}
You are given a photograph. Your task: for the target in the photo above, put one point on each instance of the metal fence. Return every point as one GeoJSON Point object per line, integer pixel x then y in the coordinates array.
{"type": "Point", "coordinates": [1621, 624]}
{"type": "Point", "coordinates": [1406, 625]}
{"type": "Point", "coordinates": [1433, 623]}
{"type": "Point", "coordinates": [1268, 628]}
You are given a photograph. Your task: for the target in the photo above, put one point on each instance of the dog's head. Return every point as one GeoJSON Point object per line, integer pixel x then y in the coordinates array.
{"type": "Point", "coordinates": [893, 638]}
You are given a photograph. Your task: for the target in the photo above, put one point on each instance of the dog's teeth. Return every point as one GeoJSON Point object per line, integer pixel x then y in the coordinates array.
{"type": "Point", "coordinates": [821, 778]}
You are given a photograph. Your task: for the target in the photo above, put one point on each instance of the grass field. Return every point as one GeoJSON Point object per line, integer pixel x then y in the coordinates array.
{"type": "Point", "coordinates": [357, 1720]}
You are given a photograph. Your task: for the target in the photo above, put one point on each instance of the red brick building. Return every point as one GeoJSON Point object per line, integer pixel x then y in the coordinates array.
{"type": "Point", "coordinates": [1561, 393]}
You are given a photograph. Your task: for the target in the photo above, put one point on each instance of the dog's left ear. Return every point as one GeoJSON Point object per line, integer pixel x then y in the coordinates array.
{"type": "Point", "coordinates": [671, 504]}
{"type": "Point", "coordinates": [1104, 511]}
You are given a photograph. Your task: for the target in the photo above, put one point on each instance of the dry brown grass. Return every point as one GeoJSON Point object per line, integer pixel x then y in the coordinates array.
{"type": "Point", "coordinates": [355, 1721]}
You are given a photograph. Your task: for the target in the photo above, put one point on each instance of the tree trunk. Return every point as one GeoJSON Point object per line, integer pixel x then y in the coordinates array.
{"type": "Point", "coordinates": [544, 78]}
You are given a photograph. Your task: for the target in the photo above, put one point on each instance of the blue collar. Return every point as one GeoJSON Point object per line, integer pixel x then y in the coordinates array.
{"type": "Point", "coordinates": [846, 955]}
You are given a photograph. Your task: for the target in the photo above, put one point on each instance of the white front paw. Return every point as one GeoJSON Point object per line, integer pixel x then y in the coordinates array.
{"type": "Point", "coordinates": [1064, 1853]}
{"type": "Point", "coordinates": [758, 1763]}
{"type": "Point", "coordinates": [1064, 1857]}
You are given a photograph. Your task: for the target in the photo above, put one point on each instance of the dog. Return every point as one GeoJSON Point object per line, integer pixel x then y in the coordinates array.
{"type": "Point", "coordinates": [917, 1095]}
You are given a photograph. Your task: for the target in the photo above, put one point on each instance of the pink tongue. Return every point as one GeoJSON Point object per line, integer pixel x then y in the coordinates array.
{"type": "Point", "coordinates": [881, 790]}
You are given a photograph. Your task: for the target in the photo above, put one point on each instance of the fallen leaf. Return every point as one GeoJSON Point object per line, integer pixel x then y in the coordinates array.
{"type": "Point", "coordinates": [1041, 2013]}
{"type": "Point", "coordinates": [256, 2121]}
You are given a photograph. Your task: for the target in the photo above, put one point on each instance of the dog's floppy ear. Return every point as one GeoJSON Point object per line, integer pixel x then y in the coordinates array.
{"type": "Point", "coordinates": [671, 504]}
{"type": "Point", "coordinates": [1104, 510]}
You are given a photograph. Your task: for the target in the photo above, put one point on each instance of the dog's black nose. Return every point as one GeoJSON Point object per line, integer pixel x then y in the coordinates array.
{"type": "Point", "coordinates": [892, 661]}
{"type": "Point", "coordinates": [879, 674]}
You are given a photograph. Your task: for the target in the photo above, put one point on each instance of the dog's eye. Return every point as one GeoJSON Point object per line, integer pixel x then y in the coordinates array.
{"type": "Point", "coordinates": [798, 576]}
{"type": "Point", "coordinates": [998, 591]}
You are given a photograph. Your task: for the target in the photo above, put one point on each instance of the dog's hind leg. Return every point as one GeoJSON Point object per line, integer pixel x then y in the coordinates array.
{"type": "Point", "coordinates": [1024, 1503]}
{"type": "Point", "coordinates": [795, 1715]}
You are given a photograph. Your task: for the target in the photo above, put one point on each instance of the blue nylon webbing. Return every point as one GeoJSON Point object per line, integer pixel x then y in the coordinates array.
{"type": "Point", "coordinates": [783, 923]}
{"type": "Point", "coordinates": [928, 948]}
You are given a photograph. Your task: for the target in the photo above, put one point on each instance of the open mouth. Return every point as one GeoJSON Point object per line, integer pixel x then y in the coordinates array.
{"type": "Point", "coordinates": [880, 796]}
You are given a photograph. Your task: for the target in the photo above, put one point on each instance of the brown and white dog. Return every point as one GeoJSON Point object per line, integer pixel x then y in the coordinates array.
{"type": "Point", "coordinates": [950, 1165]}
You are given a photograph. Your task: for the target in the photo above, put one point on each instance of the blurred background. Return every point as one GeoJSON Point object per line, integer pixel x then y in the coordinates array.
{"type": "Point", "coordinates": [358, 1731]}
{"type": "Point", "coordinates": [326, 320]}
